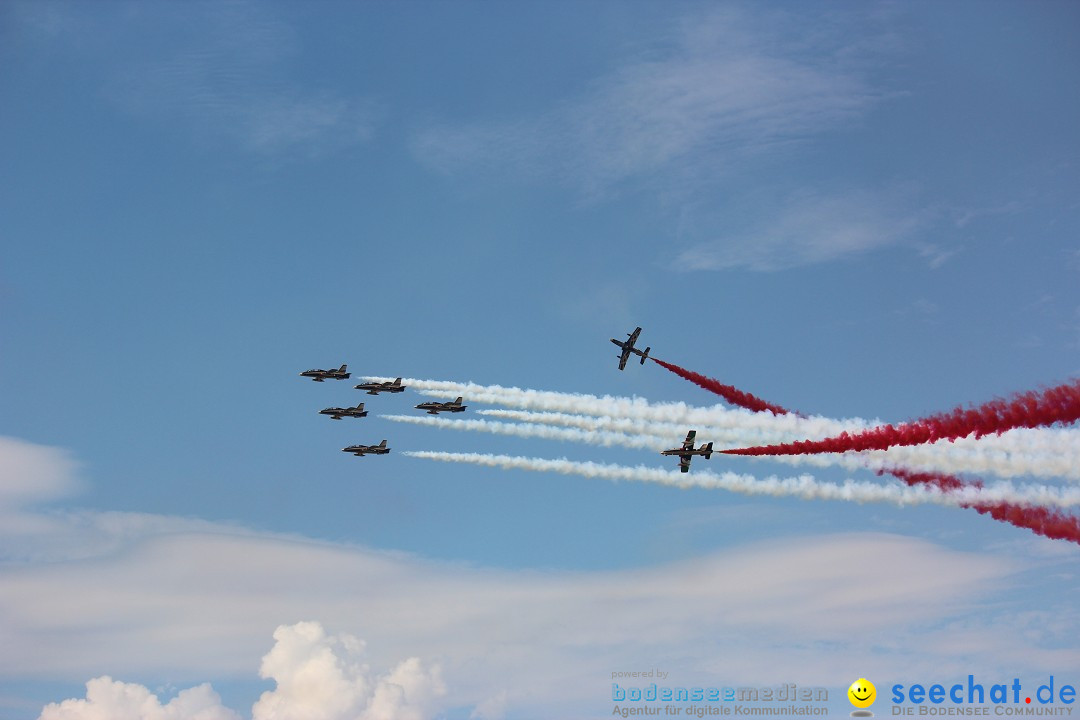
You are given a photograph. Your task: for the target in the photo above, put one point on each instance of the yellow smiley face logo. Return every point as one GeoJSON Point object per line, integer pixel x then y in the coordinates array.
{"type": "Point", "coordinates": [862, 693]}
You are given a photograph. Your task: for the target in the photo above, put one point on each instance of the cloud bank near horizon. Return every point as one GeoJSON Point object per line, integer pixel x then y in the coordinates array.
{"type": "Point", "coordinates": [188, 601]}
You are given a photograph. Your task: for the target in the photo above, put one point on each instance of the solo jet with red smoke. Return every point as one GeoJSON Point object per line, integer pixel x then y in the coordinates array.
{"type": "Point", "coordinates": [627, 348]}
{"type": "Point", "coordinates": [688, 451]}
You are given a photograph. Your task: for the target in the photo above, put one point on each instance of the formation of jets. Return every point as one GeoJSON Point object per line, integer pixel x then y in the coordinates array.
{"type": "Point", "coordinates": [688, 451]}
{"type": "Point", "coordinates": [434, 408]}
{"type": "Point", "coordinates": [685, 452]}
{"type": "Point", "coordinates": [320, 375]}
{"type": "Point", "coordinates": [627, 348]}
{"type": "Point", "coordinates": [374, 388]}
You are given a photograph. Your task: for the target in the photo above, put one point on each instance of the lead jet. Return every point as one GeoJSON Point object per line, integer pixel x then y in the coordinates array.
{"type": "Point", "coordinates": [374, 388]}
{"type": "Point", "coordinates": [627, 348]}
{"type": "Point", "coordinates": [434, 408]}
{"type": "Point", "coordinates": [320, 375]}
{"type": "Point", "coordinates": [361, 450]}
{"type": "Point", "coordinates": [338, 413]}
{"type": "Point", "coordinates": [687, 451]}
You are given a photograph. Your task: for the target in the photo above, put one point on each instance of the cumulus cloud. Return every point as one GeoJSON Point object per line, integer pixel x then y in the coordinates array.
{"type": "Point", "coordinates": [317, 676]}
{"type": "Point", "coordinates": [108, 699]}
{"type": "Point", "coordinates": [320, 677]}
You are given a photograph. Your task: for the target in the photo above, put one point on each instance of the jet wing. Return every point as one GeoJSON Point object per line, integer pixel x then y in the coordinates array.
{"type": "Point", "coordinates": [633, 336]}
{"type": "Point", "coordinates": [688, 443]}
{"type": "Point", "coordinates": [624, 356]}
{"type": "Point", "coordinates": [684, 463]}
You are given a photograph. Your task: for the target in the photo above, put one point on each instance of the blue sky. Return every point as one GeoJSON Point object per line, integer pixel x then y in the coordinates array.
{"type": "Point", "coordinates": [853, 209]}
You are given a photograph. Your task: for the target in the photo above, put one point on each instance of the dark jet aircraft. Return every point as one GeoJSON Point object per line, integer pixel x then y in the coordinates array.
{"type": "Point", "coordinates": [338, 413]}
{"type": "Point", "coordinates": [628, 348]}
{"type": "Point", "coordinates": [687, 451]}
{"type": "Point", "coordinates": [434, 408]}
{"type": "Point", "coordinates": [320, 375]}
{"type": "Point", "coordinates": [361, 450]}
{"type": "Point", "coordinates": [374, 388]}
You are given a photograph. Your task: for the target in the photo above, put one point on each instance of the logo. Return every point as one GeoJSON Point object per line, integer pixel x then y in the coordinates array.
{"type": "Point", "coordinates": [862, 694]}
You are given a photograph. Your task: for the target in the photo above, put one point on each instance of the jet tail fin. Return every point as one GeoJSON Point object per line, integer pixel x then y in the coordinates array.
{"type": "Point", "coordinates": [382, 444]}
{"type": "Point", "coordinates": [458, 401]}
{"type": "Point", "coordinates": [645, 355]}
{"type": "Point", "coordinates": [708, 451]}
{"type": "Point", "coordinates": [343, 368]}
{"type": "Point", "coordinates": [398, 381]}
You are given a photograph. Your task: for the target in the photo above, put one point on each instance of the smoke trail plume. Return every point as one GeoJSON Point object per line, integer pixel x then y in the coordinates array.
{"type": "Point", "coordinates": [1028, 410]}
{"type": "Point", "coordinates": [1050, 523]}
{"type": "Point", "coordinates": [803, 486]}
{"type": "Point", "coordinates": [1040, 452]}
{"type": "Point", "coordinates": [965, 456]}
{"type": "Point", "coordinates": [632, 426]}
{"type": "Point", "coordinates": [730, 393]}
{"type": "Point", "coordinates": [594, 437]}
{"type": "Point", "coordinates": [1040, 520]}
{"type": "Point", "coordinates": [637, 408]}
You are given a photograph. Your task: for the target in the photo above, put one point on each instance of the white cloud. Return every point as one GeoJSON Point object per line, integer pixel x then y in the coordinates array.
{"type": "Point", "coordinates": [720, 86]}
{"type": "Point", "coordinates": [31, 473]}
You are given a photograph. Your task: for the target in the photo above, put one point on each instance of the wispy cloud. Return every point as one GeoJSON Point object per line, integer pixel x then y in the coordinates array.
{"type": "Point", "coordinates": [808, 228]}
{"type": "Point", "coordinates": [963, 216]}
{"type": "Point", "coordinates": [225, 70]}
{"type": "Point", "coordinates": [712, 90]}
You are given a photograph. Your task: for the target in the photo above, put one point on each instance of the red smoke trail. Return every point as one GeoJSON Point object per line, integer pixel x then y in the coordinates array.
{"type": "Point", "coordinates": [1028, 410]}
{"type": "Point", "coordinates": [1040, 520]}
{"type": "Point", "coordinates": [1053, 524]}
{"type": "Point", "coordinates": [732, 394]}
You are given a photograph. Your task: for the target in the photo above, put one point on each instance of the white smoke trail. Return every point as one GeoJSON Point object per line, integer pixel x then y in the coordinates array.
{"type": "Point", "coordinates": [637, 408]}
{"type": "Point", "coordinates": [1057, 454]}
{"type": "Point", "coordinates": [732, 436]}
{"type": "Point", "coordinates": [803, 486]}
{"type": "Point", "coordinates": [593, 437]}
{"type": "Point", "coordinates": [938, 458]}
{"type": "Point", "coordinates": [1038, 452]}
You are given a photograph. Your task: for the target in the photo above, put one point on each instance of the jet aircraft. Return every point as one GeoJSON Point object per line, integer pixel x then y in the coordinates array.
{"type": "Point", "coordinates": [361, 450]}
{"type": "Point", "coordinates": [628, 347]}
{"type": "Point", "coordinates": [338, 413]}
{"type": "Point", "coordinates": [434, 408]}
{"type": "Point", "coordinates": [687, 451]}
{"type": "Point", "coordinates": [320, 375]}
{"type": "Point", "coordinates": [374, 388]}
